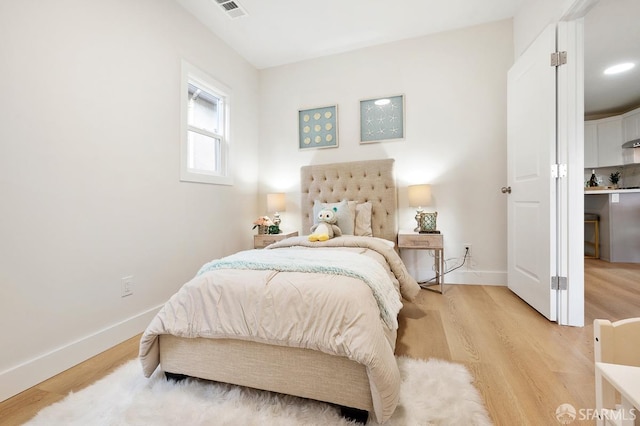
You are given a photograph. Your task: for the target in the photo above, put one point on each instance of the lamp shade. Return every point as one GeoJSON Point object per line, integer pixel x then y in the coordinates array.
{"type": "Point", "coordinates": [419, 195]}
{"type": "Point", "coordinates": [276, 202]}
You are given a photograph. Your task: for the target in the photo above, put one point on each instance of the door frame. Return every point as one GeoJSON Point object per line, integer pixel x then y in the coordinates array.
{"type": "Point", "coordinates": [570, 153]}
{"type": "Point", "coordinates": [570, 104]}
{"type": "Point", "coordinates": [570, 190]}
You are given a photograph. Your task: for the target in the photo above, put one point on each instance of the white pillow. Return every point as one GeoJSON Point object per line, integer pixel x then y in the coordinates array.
{"type": "Point", "coordinates": [363, 220]}
{"type": "Point", "coordinates": [343, 213]}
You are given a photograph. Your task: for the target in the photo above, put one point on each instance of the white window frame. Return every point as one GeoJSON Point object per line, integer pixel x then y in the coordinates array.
{"type": "Point", "coordinates": [191, 74]}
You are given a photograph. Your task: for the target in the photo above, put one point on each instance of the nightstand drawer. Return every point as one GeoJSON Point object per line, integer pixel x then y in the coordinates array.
{"type": "Point", "coordinates": [420, 240]}
{"type": "Point", "coordinates": [263, 240]}
{"type": "Point", "coordinates": [411, 240]}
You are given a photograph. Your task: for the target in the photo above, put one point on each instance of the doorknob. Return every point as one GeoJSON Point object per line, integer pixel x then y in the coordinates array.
{"type": "Point", "coordinates": [506, 190]}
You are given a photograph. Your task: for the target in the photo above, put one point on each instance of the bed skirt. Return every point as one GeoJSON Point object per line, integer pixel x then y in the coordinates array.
{"type": "Point", "coordinates": [294, 371]}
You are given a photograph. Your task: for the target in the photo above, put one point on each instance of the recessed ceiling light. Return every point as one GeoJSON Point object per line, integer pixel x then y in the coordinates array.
{"type": "Point", "coordinates": [616, 69]}
{"type": "Point", "coordinates": [381, 102]}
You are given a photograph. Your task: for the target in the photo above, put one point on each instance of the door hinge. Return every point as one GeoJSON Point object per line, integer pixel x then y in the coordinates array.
{"type": "Point", "coordinates": [558, 58]}
{"type": "Point", "coordinates": [558, 283]}
{"type": "Point", "coordinates": [558, 171]}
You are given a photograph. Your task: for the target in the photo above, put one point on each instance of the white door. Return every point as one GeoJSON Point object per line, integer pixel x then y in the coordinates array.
{"type": "Point", "coordinates": [531, 152]}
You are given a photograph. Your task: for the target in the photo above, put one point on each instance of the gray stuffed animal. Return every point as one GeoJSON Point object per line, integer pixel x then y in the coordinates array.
{"type": "Point", "coordinates": [326, 227]}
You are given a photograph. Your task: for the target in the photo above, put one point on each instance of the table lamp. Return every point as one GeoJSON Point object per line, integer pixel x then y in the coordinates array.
{"type": "Point", "coordinates": [276, 203]}
{"type": "Point", "coordinates": [419, 196]}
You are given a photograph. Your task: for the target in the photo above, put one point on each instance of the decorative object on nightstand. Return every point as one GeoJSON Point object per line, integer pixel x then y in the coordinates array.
{"type": "Point", "coordinates": [262, 223]}
{"type": "Point", "coordinates": [419, 196]}
{"type": "Point", "coordinates": [262, 240]}
{"type": "Point", "coordinates": [276, 203]}
{"type": "Point", "coordinates": [430, 241]}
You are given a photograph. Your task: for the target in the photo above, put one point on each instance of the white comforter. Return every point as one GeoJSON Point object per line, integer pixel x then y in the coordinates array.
{"type": "Point", "coordinates": [329, 312]}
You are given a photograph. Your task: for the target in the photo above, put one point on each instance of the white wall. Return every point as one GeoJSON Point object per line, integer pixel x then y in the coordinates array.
{"type": "Point", "coordinates": [455, 88]}
{"type": "Point", "coordinates": [89, 174]}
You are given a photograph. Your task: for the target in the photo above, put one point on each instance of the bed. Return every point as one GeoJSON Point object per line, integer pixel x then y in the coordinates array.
{"type": "Point", "coordinates": [305, 330]}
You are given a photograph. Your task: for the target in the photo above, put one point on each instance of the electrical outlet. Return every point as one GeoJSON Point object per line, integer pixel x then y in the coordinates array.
{"type": "Point", "coordinates": [127, 286]}
{"type": "Point", "coordinates": [467, 250]}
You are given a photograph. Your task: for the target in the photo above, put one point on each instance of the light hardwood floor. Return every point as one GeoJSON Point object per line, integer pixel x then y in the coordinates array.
{"type": "Point", "coordinates": [524, 365]}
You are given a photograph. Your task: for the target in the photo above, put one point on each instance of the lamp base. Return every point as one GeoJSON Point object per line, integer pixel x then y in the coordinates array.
{"type": "Point", "coordinates": [429, 232]}
{"type": "Point", "coordinates": [276, 219]}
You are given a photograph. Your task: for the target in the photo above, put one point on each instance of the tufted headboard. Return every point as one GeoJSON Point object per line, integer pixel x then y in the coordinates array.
{"type": "Point", "coordinates": [359, 181]}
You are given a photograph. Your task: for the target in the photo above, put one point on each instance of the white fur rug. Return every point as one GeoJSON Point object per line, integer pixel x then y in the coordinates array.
{"type": "Point", "coordinates": [433, 392]}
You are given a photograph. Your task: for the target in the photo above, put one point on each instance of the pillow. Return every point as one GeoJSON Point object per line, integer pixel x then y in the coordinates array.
{"type": "Point", "coordinates": [363, 220]}
{"type": "Point", "coordinates": [352, 209]}
{"type": "Point", "coordinates": [345, 218]}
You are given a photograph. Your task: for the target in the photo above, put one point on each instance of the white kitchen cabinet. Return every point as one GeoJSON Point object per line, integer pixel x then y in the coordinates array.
{"type": "Point", "coordinates": [590, 144]}
{"type": "Point", "coordinates": [603, 142]}
{"type": "Point", "coordinates": [631, 125]}
{"type": "Point", "coordinates": [610, 142]}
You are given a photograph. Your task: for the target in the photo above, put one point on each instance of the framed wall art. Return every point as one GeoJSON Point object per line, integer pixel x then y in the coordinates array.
{"type": "Point", "coordinates": [382, 119]}
{"type": "Point", "coordinates": [318, 127]}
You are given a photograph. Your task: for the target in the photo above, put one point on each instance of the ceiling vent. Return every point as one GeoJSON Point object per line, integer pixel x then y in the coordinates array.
{"type": "Point", "coordinates": [231, 8]}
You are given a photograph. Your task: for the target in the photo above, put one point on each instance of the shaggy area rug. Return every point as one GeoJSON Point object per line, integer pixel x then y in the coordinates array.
{"type": "Point", "coordinates": [433, 392]}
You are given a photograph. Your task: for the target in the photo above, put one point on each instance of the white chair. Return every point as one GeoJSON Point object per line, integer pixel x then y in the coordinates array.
{"type": "Point", "coordinates": [616, 343]}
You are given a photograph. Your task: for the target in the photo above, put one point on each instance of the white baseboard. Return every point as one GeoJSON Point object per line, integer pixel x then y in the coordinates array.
{"type": "Point", "coordinates": [498, 278]}
{"type": "Point", "coordinates": [36, 370]}
{"type": "Point", "coordinates": [423, 271]}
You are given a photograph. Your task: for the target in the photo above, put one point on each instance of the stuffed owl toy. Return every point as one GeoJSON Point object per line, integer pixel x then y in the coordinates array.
{"type": "Point", "coordinates": [326, 227]}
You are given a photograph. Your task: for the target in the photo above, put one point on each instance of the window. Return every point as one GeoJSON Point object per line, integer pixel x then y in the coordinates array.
{"type": "Point", "coordinates": [205, 128]}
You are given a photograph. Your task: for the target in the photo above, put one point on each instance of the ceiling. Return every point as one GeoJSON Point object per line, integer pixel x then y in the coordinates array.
{"type": "Point", "coordinates": [611, 36]}
{"type": "Point", "coordinates": [278, 32]}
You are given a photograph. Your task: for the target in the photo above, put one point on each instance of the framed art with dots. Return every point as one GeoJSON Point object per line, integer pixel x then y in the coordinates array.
{"type": "Point", "coordinates": [382, 119]}
{"type": "Point", "coordinates": [318, 127]}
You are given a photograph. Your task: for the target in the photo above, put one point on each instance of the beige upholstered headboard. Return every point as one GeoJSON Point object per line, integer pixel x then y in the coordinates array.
{"type": "Point", "coordinates": [359, 181]}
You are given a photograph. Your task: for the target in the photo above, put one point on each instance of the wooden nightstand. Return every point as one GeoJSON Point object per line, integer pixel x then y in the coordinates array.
{"type": "Point", "coordinates": [263, 240]}
{"type": "Point", "coordinates": [435, 242]}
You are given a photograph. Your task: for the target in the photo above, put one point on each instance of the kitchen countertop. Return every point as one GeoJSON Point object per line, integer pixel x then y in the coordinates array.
{"type": "Point", "coordinates": [610, 191]}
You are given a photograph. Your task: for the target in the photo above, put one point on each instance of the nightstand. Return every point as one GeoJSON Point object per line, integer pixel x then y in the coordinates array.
{"type": "Point", "coordinates": [416, 241]}
{"type": "Point", "coordinates": [262, 240]}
